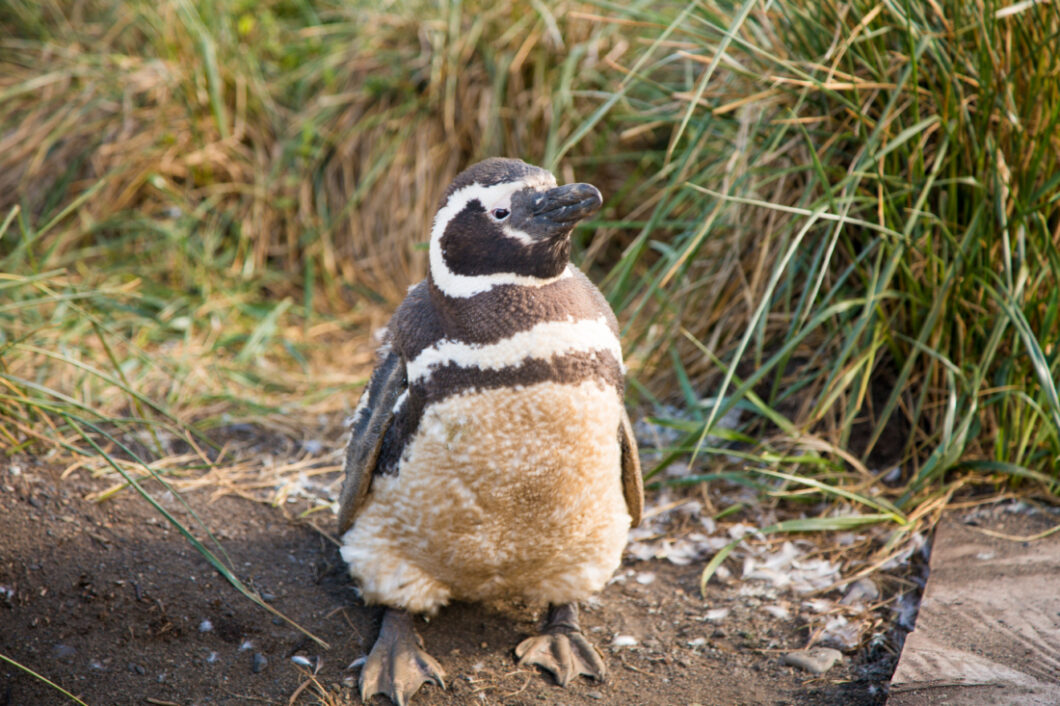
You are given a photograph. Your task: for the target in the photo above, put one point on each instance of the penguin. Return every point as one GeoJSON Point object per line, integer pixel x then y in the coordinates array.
{"type": "Point", "coordinates": [490, 456]}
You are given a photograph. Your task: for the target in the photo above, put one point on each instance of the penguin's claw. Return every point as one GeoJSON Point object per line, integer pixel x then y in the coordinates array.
{"type": "Point", "coordinates": [398, 665]}
{"type": "Point", "coordinates": [564, 654]}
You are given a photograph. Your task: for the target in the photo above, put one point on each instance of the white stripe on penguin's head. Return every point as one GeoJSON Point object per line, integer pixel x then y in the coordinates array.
{"type": "Point", "coordinates": [491, 197]}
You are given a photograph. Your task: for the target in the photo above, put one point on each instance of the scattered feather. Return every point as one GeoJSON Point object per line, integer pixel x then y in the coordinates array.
{"type": "Point", "coordinates": [841, 632]}
{"type": "Point", "coordinates": [777, 611]}
{"type": "Point", "coordinates": [861, 591]}
{"type": "Point", "coordinates": [716, 614]}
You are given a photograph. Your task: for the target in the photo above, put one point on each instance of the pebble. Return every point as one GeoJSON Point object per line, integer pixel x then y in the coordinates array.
{"type": "Point", "coordinates": [623, 641]}
{"type": "Point", "coordinates": [64, 653]}
{"type": "Point", "coordinates": [817, 660]}
{"type": "Point", "coordinates": [259, 663]}
{"type": "Point", "coordinates": [138, 669]}
{"type": "Point", "coordinates": [595, 695]}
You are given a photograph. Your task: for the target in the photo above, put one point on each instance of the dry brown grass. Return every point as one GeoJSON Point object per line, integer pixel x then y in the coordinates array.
{"type": "Point", "coordinates": [323, 146]}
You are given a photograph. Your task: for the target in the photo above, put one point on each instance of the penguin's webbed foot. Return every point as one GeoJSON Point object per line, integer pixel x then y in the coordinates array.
{"type": "Point", "coordinates": [398, 665]}
{"type": "Point", "coordinates": [562, 649]}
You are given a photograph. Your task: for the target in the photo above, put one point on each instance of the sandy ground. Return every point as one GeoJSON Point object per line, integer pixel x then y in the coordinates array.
{"type": "Point", "coordinates": [109, 601]}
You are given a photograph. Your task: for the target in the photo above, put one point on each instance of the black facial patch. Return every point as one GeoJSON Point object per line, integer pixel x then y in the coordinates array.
{"type": "Point", "coordinates": [473, 244]}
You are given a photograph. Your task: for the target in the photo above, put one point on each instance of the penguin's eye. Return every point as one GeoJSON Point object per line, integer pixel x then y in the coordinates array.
{"type": "Point", "coordinates": [499, 214]}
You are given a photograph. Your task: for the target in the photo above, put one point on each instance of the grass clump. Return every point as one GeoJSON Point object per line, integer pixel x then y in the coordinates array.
{"type": "Point", "coordinates": [851, 235]}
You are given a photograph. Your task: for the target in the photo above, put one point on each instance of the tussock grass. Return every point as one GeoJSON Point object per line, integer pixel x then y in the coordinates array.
{"type": "Point", "coordinates": [852, 235]}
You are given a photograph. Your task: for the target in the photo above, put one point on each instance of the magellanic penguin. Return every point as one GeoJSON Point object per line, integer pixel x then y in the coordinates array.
{"type": "Point", "coordinates": [490, 456]}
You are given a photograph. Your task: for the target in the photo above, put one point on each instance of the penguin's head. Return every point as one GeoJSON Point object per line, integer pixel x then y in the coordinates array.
{"type": "Point", "coordinates": [503, 221]}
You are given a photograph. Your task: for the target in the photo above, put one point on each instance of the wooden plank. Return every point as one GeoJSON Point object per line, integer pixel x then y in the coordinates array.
{"type": "Point", "coordinates": [988, 630]}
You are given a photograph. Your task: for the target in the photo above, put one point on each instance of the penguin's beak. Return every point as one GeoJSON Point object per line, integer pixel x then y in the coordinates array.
{"type": "Point", "coordinates": [553, 213]}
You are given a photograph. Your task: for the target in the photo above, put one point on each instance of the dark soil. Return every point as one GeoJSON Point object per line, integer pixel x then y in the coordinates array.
{"type": "Point", "coordinates": [109, 601]}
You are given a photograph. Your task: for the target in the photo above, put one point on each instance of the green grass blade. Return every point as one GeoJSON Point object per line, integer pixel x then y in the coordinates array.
{"type": "Point", "coordinates": [39, 677]}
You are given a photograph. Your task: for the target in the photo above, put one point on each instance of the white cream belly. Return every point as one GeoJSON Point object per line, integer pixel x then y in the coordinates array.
{"type": "Point", "coordinates": [503, 493]}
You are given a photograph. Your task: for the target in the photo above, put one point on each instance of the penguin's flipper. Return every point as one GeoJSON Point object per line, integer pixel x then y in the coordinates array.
{"type": "Point", "coordinates": [374, 414]}
{"type": "Point", "coordinates": [632, 480]}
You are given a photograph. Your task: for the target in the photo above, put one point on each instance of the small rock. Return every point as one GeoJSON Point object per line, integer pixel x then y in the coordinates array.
{"type": "Point", "coordinates": [205, 625]}
{"type": "Point", "coordinates": [817, 660]}
{"type": "Point", "coordinates": [595, 695]}
{"type": "Point", "coordinates": [623, 641]}
{"type": "Point", "coordinates": [259, 663]}
{"type": "Point", "coordinates": [136, 668]}
{"type": "Point", "coordinates": [64, 653]}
